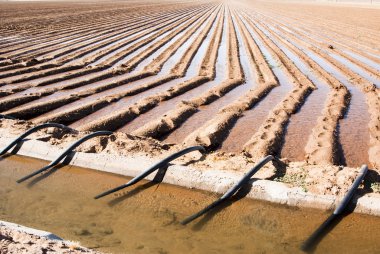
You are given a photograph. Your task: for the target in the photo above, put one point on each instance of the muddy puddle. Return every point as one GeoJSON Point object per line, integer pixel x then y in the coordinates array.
{"type": "Point", "coordinates": [145, 218]}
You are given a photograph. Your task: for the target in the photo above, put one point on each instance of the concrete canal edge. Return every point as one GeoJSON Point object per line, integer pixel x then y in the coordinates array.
{"type": "Point", "coordinates": [217, 181]}
{"type": "Point", "coordinates": [31, 231]}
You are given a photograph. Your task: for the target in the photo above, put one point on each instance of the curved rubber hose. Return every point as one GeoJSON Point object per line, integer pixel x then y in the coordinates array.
{"type": "Point", "coordinates": [65, 153]}
{"type": "Point", "coordinates": [158, 165]}
{"type": "Point", "coordinates": [231, 191]}
{"type": "Point", "coordinates": [319, 233]}
{"type": "Point", "coordinates": [7, 117]}
{"type": "Point", "coordinates": [30, 131]}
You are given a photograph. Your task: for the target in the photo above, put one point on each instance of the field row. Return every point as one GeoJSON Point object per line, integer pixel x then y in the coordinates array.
{"type": "Point", "coordinates": [244, 79]}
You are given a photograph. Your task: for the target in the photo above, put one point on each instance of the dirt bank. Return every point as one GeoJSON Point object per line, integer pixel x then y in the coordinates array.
{"type": "Point", "coordinates": [18, 239]}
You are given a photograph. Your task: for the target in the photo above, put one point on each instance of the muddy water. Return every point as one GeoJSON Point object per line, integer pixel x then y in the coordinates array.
{"type": "Point", "coordinates": [324, 38]}
{"type": "Point", "coordinates": [145, 218]}
{"type": "Point", "coordinates": [324, 33]}
{"type": "Point", "coordinates": [365, 50]}
{"type": "Point", "coordinates": [137, 51]}
{"type": "Point", "coordinates": [111, 41]}
{"type": "Point", "coordinates": [201, 117]}
{"type": "Point", "coordinates": [353, 129]}
{"type": "Point", "coordinates": [295, 140]}
{"type": "Point", "coordinates": [101, 60]}
{"type": "Point", "coordinates": [172, 61]}
{"type": "Point", "coordinates": [112, 54]}
{"type": "Point", "coordinates": [87, 56]}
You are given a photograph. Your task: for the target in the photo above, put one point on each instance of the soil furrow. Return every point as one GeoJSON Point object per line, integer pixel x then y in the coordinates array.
{"type": "Point", "coordinates": [139, 39]}
{"type": "Point", "coordinates": [348, 155]}
{"type": "Point", "coordinates": [269, 137]}
{"type": "Point", "coordinates": [214, 131]}
{"type": "Point", "coordinates": [129, 113]}
{"type": "Point", "coordinates": [48, 105]}
{"type": "Point", "coordinates": [89, 105]}
{"type": "Point", "coordinates": [183, 111]}
{"type": "Point", "coordinates": [131, 28]}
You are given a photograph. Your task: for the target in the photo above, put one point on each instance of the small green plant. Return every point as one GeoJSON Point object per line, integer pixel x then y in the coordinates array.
{"type": "Point", "coordinates": [375, 187]}
{"type": "Point", "coordinates": [296, 179]}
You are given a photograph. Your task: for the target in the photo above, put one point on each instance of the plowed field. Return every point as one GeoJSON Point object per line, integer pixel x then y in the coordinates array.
{"type": "Point", "coordinates": [300, 81]}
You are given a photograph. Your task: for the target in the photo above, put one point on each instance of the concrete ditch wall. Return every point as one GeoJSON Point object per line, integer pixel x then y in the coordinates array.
{"type": "Point", "coordinates": [217, 181]}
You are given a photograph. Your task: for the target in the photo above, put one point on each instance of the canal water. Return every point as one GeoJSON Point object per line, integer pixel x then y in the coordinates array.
{"type": "Point", "coordinates": [145, 218]}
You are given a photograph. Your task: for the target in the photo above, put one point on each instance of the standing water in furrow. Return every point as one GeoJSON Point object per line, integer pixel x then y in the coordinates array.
{"type": "Point", "coordinates": [167, 105]}
{"type": "Point", "coordinates": [206, 112]}
{"type": "Point", "coordinates": [253, 118]}
{"type": "Point", "coordinates": [295, 141]}
{"type": "Point", "coordinates": [363, 59]}
{"type": "Point", "coordinates": [132, 40]}
{"type": "Point", "coordinates": [357, 52]}
{"type": "Point", "coordinates": [129, 85]}
{"type": "Point", "coordinates": [353, 128]}
{"type": "Point", "coordinates": [355, 68]}
{"type": "Point", "coordinates": [130, 100]}
{"type": "Point", "coordinates": [61, 85]}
